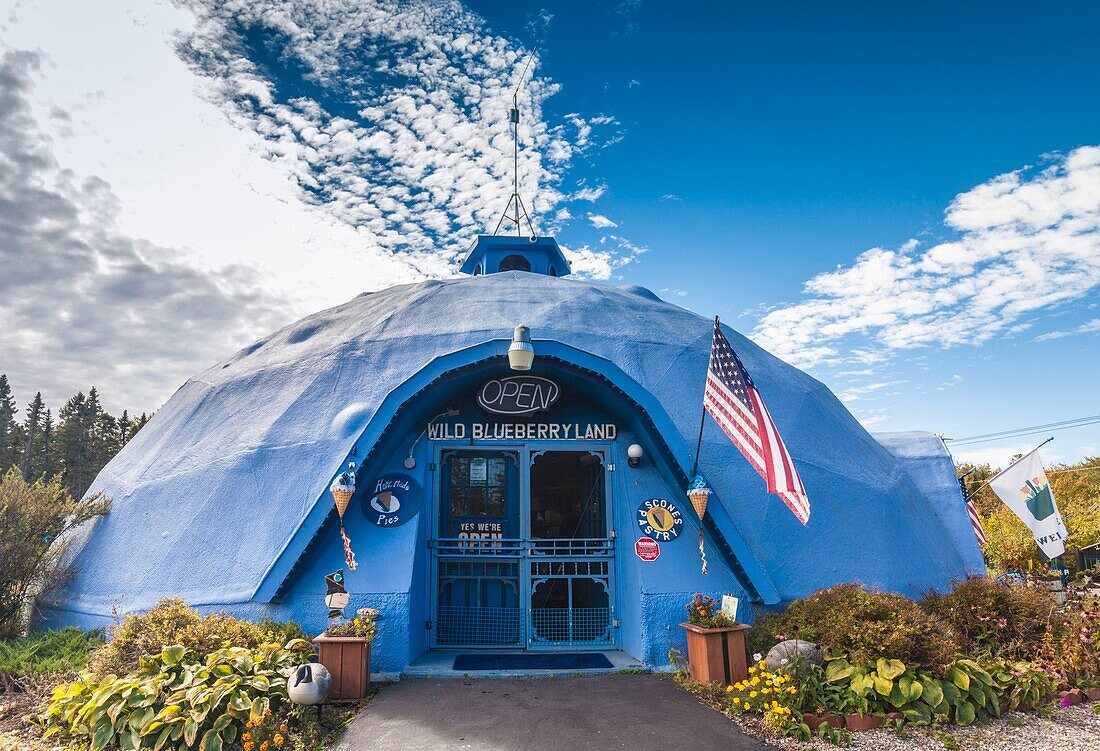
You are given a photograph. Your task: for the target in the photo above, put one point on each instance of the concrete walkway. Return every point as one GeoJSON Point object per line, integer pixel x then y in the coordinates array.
{"type": "Point", "coordinates": [636, 712]}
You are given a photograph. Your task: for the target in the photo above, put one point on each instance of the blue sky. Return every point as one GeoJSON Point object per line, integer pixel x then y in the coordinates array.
{"type": "Point", "coordinates": [905, 201]}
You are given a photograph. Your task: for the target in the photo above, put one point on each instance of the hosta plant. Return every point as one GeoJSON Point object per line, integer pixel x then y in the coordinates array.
{"type": "Point", "coordinates": [967, 691]}
{"type": "Point", "coordinates": [176, 700]}
{"type": "Point", "coordinates": [1024, 684]}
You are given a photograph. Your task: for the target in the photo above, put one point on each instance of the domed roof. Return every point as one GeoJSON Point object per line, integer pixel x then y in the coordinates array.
{"type": "Point", "coordinates": [230, 468]}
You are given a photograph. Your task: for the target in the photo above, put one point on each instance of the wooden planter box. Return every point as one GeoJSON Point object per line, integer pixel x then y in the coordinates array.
{"type": "Point", "coordinates": [717, 654]}
{"type": "Point", "coordinates": [348, 660]}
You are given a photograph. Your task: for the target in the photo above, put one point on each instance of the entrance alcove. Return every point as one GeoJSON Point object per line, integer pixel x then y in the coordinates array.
{"type": "Point", "coordinates": [560, 571]}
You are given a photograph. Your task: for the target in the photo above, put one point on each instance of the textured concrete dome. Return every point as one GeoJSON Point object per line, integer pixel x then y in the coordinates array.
{"type": "Point", "coordinates": [237, 464]}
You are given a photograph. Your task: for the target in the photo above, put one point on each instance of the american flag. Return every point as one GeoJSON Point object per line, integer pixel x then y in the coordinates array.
{"type": "Point", "coordinates": [733, 401]}
{"type": "Point", "coordinates": [972, 512]}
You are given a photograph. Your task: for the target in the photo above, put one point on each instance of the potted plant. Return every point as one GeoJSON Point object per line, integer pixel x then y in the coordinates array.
{"type": "Point", "coordinates": [345, 651]}
{"type": "Point", "coordinates": [716, 643]}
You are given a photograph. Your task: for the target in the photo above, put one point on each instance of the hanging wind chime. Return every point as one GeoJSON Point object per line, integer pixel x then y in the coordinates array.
{"type": "Point", "coordinates": [698, 493]}
{"type": "Point", "coordinates": [342, 489]}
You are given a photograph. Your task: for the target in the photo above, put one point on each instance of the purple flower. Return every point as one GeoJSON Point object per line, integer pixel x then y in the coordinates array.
{"type": "Point", "coordinates": [1066, 703]}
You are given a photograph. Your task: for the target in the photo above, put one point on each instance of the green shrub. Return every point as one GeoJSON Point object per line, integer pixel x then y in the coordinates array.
{"type": "Point", "coordinates": [34, 519]}
{"type": "Point", "coordinates": [995, 619]}
{"type": "Point", "coordinates": [176, 700]}
{"type": "Point", "coordinates": [172, 622]}
{"type": "Point", "coordinates": [863, 625]}
{"type": "Point", "coordinates": [46, 653]}
{"type": "Point", "coordinates": [1071, 647]}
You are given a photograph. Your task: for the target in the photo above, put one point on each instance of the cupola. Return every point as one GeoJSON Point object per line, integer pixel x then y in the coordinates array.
{"type": "Point", "coordinates": [494, 253]}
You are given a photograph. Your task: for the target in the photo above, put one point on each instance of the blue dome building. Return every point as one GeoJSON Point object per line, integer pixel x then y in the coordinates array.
{"type": "Point", "coordinates": [497, 509]}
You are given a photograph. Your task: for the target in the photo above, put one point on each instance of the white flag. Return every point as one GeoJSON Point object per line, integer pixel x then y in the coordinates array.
{"type": "Point", "coordinates": [1025, 489]}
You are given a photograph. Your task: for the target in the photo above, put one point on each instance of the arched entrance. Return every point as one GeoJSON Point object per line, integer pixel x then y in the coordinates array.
{"type": "Point", "coordinates": [523, 552]}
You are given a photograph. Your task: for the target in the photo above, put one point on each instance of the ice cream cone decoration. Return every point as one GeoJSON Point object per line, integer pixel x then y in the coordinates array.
{"type": "Point", "coordinates": [698, 493]}
{"type": "Point", "coordinates": [342, 489]}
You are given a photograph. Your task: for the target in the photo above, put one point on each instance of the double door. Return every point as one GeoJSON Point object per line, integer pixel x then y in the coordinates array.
{"type": "Point", "coordinates": [523, 556]}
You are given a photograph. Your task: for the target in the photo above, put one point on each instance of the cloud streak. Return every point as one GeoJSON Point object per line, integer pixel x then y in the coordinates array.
{"type": "Point", "coordinates": [1026, 242]}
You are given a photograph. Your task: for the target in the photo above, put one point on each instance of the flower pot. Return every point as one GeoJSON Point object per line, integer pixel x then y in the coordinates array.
{"type": "Point", "coordinates": [348, 661]}
{"type": "Point", "coordinates": [717, 654]}
{"type": "Point", "coordinates": [1093, 694]}
{"type": "Point", "coordinates": [895, 716]}
{"type": "Point", "coordinates": [857, 723]}
{"type": "Point", "coordinates": [814, 720]}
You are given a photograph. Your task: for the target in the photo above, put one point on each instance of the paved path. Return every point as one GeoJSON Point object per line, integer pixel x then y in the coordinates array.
{"type": "Point", "coordinates": [636, 712]}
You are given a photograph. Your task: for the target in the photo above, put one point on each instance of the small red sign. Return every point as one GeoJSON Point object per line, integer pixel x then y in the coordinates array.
{"type": "Point", "coordinates": [647, 549]}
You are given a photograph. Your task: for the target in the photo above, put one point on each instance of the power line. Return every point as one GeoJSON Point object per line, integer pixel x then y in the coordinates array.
{"type": "Point", "coordinates": [1078, 422]}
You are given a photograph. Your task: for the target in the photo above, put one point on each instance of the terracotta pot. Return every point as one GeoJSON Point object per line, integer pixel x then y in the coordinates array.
{"type": "Point", "coordinates": [857, 723]}
{"type": "Point", "coordinates": [813, 720]}
{"type": "Point", "coordinates": [896, 716]}
{"type": "Point", "coordinates": [348, 660]}
{"type": "Point", "coordinates": [1093, 694]}
{"type": "Point", "coordinates": [717, 654]}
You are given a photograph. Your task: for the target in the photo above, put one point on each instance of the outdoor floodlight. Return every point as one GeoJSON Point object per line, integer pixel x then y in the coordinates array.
{"type": "Point", "coordinates": [521, 354]}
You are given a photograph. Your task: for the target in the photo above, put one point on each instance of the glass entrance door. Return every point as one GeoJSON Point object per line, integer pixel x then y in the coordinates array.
{"type": "Point", "coordinates": [524, 554]}
{"type": "Point", "coordinates": [570, 565]}
{"type": "Point", "coordinates": [477, 553]}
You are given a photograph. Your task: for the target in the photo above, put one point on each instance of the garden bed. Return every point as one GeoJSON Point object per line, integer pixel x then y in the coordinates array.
{"type": "Point", "coordinates": [1052, 728]}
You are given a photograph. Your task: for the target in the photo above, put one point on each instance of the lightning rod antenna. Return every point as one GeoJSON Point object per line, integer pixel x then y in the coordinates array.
{"type": "Point", "coordinates": [515, 205]}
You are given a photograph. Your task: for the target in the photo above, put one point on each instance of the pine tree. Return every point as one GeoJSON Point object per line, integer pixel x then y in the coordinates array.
{"type": "Point", "coordinates": [33, 458]}
{"type": "Point", "coordinates": [9, 429]}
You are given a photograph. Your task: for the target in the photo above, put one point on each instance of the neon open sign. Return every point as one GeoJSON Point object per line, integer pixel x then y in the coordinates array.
{"type": "Point", "coordinates": [518, 395]}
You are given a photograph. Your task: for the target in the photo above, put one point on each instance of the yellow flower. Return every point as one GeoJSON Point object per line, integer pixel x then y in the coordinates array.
{"type": "Point", "coordinates": [265, 746]}
{"type": "Point", "coordinates": [248, 746]}
{"type": "Point", "coordinates": [755, 681]}
{"type": "Point", "coordinates": [792, 690]}
{"type": "Point", "coordinates": [246, 737]}
{"type": "Point", "coordinates": [729, 689]}
{"type": "Point", "coordinates": [277, 740]}
{"type": "Point", "coordinates": [752, 670]}
{"type": "Point", "coordinates": [765, 691]}
{"type": "Point", "coordinates": [752, 694]}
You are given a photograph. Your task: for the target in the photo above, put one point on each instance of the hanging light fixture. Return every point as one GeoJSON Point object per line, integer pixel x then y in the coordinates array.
{"type": "Point", "coordinates": [521, 354]}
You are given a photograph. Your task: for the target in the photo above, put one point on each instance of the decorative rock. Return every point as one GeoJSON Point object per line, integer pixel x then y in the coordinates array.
{"type": "Point", "coordinates": [785, 655]}
{"type": "Point", "coordinates": [309, 684]}
{"type": "Point", "coordinates": [1093, 694]}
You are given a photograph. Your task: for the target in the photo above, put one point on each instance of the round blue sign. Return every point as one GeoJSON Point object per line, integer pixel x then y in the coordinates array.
{"type": "Point", "coordinates": [659, 519]}
{"type": "Point", "coordinates": [391, 500]}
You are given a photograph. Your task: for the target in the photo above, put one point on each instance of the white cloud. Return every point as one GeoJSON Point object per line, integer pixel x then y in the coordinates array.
{"type": "Point", "coordinates": [392, 120]}
{"type": "Point", "coordinates": [600, 221]}
{"type": "Point", "coordinates": [1026, 242]}
{"type": "Point", "coordinates": [1089, 327]}
{"type": "Point", "coordinates": [85, 304]}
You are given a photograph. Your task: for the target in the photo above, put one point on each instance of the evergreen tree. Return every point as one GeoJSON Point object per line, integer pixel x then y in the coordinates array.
{"type": "Point", "coordinates": [10, 442]}
{"type": "Point", "coordinates": [34, 460]}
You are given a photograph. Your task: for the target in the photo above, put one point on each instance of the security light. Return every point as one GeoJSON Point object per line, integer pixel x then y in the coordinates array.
{"type": "Point", "coordinates": [521, 354]}
{"type": "Point", "coordinates": [634, 455]}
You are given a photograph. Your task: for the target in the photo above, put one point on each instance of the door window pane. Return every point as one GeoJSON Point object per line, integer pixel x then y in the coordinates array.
{"type": "Point", "coordinates": [567, 496]}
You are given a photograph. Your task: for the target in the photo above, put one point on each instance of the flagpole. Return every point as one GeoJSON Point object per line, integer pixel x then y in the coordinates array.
{"type": "Point", "coordinates": [702, 422]}
{"type": "Point", "coordinates": [1010, 466]}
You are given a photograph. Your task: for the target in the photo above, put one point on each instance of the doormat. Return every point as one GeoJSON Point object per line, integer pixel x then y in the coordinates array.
{"type": "Point", "coordinates": [532, 661]}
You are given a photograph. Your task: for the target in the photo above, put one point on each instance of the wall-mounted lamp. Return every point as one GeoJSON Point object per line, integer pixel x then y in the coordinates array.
{"type": "Point", "coordinates": [634, 455]}
{"type": "Point", "coordinates": [521, 354]}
